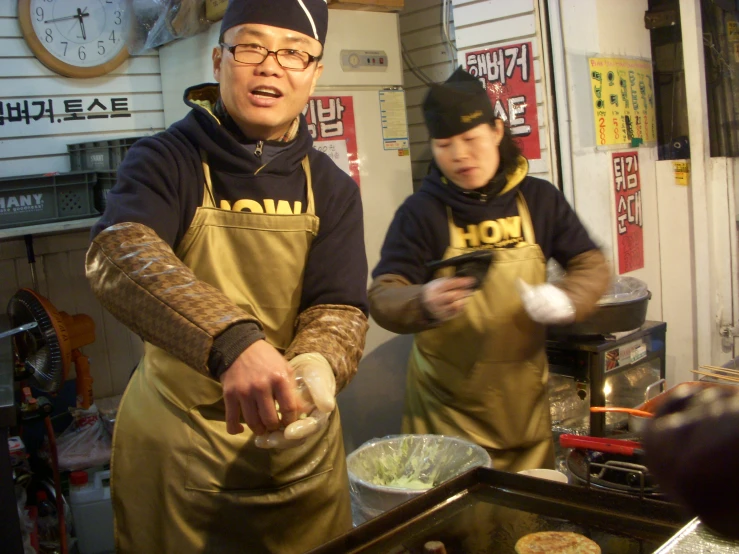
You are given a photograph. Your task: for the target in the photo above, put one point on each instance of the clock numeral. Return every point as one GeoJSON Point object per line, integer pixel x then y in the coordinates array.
{"type": "Point", "coordinates": [101, 48]}
{"type": "Point", "coordinates": [49, 37]}
{"type": "Point", "coordinates": [117, 15]}
{"type": "Point", "coordinates": [111, 38]}
{"type": "Point", "coordinates": [39, 14]}
{"type": "Point", "coordinates": [81, 53]}
{"type": "Point", "coordinates": [65, 48]}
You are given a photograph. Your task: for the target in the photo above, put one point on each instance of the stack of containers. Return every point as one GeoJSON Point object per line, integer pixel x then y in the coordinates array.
{"type": "Point", "coordinates": [102, 157]}
{"type": "Point", "coordinates": [38, 199]}
{"type": "Point", "coordinates": [54, 197]}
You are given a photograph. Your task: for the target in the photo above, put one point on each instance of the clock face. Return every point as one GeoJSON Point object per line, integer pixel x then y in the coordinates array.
{"type": "Point", "coordinates": [78, 33]}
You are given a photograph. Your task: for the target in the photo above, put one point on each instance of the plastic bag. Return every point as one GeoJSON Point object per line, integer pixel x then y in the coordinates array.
{"type": "Point", "coordinates": [621, 289]}
{"type": "Point", "coordinates": [624, 289]}
{"type": "Point", "coordinates": [26, 522]}
{"type": "Point", "coordinates": [85, 443]}
{"type": "Point", "coordinates": [108, 408]}
{"type": "Point", "coordinates": [153, 23]}
{"type": "Point", "coordinates": [385, 472]}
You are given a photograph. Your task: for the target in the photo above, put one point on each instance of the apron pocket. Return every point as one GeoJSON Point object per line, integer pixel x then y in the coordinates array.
{"type": "Point", "coordinates": [219, 462]}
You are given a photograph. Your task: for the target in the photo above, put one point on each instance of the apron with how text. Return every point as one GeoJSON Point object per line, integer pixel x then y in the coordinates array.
{"type": "Point", "coordinates": [180, 482]}
{"type": "Point", "coordinates": [482, 376]}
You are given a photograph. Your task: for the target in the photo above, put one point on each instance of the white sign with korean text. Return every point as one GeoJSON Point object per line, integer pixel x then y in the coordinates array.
{"type": "Point", "coordinates": [336, 150]}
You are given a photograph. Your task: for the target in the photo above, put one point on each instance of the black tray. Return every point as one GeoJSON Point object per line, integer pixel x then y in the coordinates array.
{"type": "Point", "coordinates": [486, 510]}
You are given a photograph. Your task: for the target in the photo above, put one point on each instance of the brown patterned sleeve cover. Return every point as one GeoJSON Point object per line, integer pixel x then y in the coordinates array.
{"type": "Point", "coordinates": [395, 304]}
{"type": "Point", "coordinates": [335, 331]}
{"type": "Point", "coordinates": [586, 280]}
{"type": "Point", "coordinates": [140, 280]}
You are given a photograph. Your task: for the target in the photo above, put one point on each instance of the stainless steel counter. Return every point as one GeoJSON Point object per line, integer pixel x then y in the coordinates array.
{"type": "Point", "coordinates": [696, 538]}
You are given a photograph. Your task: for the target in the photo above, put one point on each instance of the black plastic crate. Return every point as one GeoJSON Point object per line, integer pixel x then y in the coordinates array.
{"type": "Point", "coordinates": [101, 154]}
{"type": "Point", "coordinates": [36, 199]}
{"type": "Point", "coordinates": [105, 181]}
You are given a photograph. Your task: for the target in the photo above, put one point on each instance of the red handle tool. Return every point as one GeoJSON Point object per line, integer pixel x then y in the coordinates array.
{"type": "Point", "coordinates": [601, 444]}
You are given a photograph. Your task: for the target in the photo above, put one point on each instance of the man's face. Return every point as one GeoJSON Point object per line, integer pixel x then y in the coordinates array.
{"type": "Point", "coordinates": [264, 99]}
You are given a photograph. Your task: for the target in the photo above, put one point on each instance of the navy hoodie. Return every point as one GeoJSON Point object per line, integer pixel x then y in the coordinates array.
{"type": "Point", "coordinates": [160, 184]}
{"type": "Point", "coordinates": [419, 232]}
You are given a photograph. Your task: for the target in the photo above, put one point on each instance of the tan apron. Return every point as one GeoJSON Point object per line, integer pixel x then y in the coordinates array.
{"type": "Point", "coordinates": [180, 482]}
{"type": "Point", "coordinates": [483, 375]}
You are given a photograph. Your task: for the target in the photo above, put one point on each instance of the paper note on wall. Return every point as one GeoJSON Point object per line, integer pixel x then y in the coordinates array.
{"type": "Point", "coordinates": [331, 124]}
{"type": "Point", "coordinates": [682, 172]}
{"type": "Point", "coordinates": [622, 92]}
{"type": "Point", "coordinates": [336, 150]}
{"type": "Point", "coordinates": [394, 120]}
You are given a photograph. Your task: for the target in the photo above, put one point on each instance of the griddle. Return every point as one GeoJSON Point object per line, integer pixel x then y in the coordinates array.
{"type": "Point", "coordinates": [486, 510]}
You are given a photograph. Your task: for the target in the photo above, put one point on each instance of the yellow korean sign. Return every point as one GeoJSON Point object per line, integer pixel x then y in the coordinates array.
{"type": "Point", "coordinates": [682, 172]}
{"type": "Point", "coordinates": [622, 91]}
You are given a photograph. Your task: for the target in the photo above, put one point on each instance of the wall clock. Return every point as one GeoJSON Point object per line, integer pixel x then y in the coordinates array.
{"type": "Point", "coordinates": [75, 38]}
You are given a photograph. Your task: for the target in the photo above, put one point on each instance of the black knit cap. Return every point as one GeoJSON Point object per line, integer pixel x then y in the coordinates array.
{"type": "Point", "coordinates": [457, 105]}
{"type": "Point", "coordinates": [309, 17]}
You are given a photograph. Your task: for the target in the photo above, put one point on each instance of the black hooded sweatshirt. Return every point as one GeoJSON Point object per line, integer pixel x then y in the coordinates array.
{"type": "Point", "coordinates": [160, 184]}
{"type": "Point", "coordinates": [419, 232]}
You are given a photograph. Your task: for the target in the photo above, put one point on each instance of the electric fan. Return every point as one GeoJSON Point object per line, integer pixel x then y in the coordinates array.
{"type": "Point", "coordinates": [47, 350]}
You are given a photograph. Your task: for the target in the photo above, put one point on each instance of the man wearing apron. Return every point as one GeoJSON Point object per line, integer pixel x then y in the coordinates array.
{"type": "Point", "coordinates": [236, 251]}
{"type": "Point", "coordinates": [478, 368]}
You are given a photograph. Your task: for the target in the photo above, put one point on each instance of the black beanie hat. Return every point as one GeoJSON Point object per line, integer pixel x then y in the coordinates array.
{"type": "Point", "coordinates": [309, 17]}
{"type": "Point", "coordinates": [456, 106]}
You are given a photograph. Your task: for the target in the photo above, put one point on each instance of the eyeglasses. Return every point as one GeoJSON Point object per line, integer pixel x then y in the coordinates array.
{"type": "Point", "coordinates": [254, 54]}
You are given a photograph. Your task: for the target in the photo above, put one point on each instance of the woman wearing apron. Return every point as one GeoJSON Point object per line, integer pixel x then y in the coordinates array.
{"type": "Point", "coordinates": [235, 250]}
{"type": "Point", "coordinates": [478, 367]}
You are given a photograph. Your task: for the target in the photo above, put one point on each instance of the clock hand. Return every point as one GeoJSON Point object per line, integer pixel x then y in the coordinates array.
{"type": "Point", "coordinates": [82, 23]}
{"type": "Point", "coordinates": [60, 19]}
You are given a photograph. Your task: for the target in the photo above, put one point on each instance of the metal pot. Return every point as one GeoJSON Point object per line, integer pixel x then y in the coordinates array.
{"type": "Point", "coordinates": [608, 318]}
{"type": "Point", "coordinates": [637, 423]}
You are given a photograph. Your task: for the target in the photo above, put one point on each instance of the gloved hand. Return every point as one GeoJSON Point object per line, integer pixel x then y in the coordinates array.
{"type": "Point", "coordinates": [316, 388]}
{"type": "Point", "coordinates": [546, 303]}
{"type": "Point", "coordinates": [446, 297]}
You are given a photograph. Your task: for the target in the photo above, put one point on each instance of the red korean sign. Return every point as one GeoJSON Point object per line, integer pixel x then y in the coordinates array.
{"type": "Point", "coordinates": [331, 124]}
{"type": "Point", "coordinates": [629, 222]}
{"type": "Point", "coordinates": [507, 72]}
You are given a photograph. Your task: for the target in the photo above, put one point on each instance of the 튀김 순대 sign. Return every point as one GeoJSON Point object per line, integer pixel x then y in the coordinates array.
{"type": "Point", "coordinates": [629, 220]}
{"type": "Point", "coordinates": [507, 72]}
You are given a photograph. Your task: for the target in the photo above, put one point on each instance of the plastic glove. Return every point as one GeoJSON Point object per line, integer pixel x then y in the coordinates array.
{"type": "Point", "coordinates": [446, 297]}
{"type": "Point", "coordinates": [316, 387]}
{"type": "Point", "coordinates": [546, 303]}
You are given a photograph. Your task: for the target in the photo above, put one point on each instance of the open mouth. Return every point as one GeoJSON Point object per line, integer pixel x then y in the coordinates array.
{"type": "Point", "coordinates": [266, 92]}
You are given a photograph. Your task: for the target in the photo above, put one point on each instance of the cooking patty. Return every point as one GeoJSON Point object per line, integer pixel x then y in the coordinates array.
{"type": "Point", "coordinates": [556, 542]}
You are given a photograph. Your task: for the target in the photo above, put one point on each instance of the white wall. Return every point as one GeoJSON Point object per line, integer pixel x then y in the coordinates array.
{"type": "Point", "coordinates": [41, 147]}
{"type": "Point", "coordinates": [480, 25]}
{"type": "Point", "coordinates": [616, 29]}
{"type": "Point", "coordinates": [422, 36]}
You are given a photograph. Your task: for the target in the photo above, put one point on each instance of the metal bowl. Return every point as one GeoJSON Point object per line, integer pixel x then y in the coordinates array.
{"type": "Point", "coordinates": [608, 318]}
